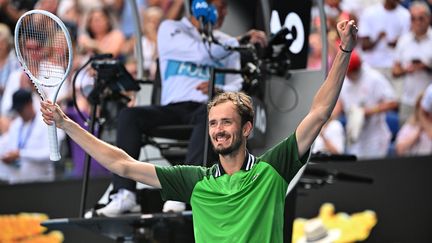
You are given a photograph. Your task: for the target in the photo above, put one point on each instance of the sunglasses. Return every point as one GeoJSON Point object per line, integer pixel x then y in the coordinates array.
{"type": "Point", "coordinates": [418, 18]}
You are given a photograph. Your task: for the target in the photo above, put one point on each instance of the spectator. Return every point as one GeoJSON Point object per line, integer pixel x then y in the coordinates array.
{"type": "Point", "coordinates": [86, 6]}
{"type": "Point", "coordinates": [47, 5]}
{"type": "Point", "coordinates": [331, 139]}
{"type": "Point", "coordinates": [24, 148]}
{"type": "Point", "coordinates": [356, 7]}
{"type": "Point", "coordinates": [151, 20]}
{"type": "Point", "coordinates": [11, 10]}
{"type": "Point", "coordinates": [314, 61]}
{"type": "Point", "coordinates": [68, 11]}
{"type": "Point", "coordinates": [8, 61]}
{"type": "Point", "coordinates": [380, 27]}
{"type": "Point", "coordinates": [367, 96]}
{"type": "Point", "coordinates": [415, 136]}
{"type": "Point", "coordinates": [413, 59]}
{"type": "Point", "coordinates": [172, 9]}
{"type": "Point", "coordinates": [18, 79]}
{"type": "Point", "coordinates": [123, 10]}
{"type": "Point", "coordinates": [101, 35]}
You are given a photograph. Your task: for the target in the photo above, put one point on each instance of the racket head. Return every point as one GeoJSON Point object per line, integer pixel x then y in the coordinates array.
{"type": "Point", "coordinates": [43, 47]}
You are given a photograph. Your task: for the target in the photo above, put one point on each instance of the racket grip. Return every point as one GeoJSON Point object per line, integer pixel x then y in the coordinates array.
{"type": "Point", "coordinates": [53, 143]}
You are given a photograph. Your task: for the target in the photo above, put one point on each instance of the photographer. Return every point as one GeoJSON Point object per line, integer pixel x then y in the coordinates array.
{"type": "Point", "coordinates": [185, 61]}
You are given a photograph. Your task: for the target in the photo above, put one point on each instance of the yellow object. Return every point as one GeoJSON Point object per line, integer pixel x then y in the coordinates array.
{"type": "Point", "coordinates": [26, 228]}
{"type": "Point", "coordinates": [354, 228]}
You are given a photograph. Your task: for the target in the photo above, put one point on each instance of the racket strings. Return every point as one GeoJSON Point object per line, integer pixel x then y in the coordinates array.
{"type": "Point", "coordinates": [44, 49]}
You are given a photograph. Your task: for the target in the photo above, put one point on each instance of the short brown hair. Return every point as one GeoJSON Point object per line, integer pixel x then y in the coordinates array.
{"type": "Point", "coordinates": [242, 101]}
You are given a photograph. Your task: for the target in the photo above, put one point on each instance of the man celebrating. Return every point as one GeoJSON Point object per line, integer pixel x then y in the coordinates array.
{"type": "Point", "coordinates": [241, 198]}
{"type": "Point", "coordinates": [185, 63]}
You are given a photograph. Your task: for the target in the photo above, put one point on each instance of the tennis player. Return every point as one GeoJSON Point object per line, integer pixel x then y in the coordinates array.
{"type": "Point", "coordinates": [240, 198]}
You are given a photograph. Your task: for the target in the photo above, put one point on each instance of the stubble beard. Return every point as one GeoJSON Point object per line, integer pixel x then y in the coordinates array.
{"type": "Point", "coordinates": [230, 149]}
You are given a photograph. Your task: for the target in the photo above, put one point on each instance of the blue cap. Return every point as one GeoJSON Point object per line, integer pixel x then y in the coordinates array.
{"type": "Point", "coordinates": [200, 10]}
{"type": "Point", "coordinates": [20, 98]}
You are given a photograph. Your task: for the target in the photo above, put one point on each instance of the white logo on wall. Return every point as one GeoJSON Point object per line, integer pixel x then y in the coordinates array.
{"type": "Point", "coordinates": [292, 21]}
{"type": "Point", "coordinates": [201, 5]}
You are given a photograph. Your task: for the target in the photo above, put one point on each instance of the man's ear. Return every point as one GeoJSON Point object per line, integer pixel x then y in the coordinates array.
{"type": "Point", "coordinates": [247, 129]}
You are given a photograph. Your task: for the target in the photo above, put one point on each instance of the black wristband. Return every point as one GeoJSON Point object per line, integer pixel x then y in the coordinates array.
{"type": "Point", "coordinates": [340, 47]}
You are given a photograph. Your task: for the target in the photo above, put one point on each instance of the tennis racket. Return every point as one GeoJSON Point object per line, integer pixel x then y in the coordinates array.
{"type": "Point", "coordinates": [44, 49]}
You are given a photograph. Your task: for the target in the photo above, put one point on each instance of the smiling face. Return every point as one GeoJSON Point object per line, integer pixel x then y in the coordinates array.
{"type": "Point", "coordinates": [226, 132]}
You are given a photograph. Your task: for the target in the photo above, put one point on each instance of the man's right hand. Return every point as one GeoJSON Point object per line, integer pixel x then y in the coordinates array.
{"type": "Point", "coordinates": [52, 113]}
{"type": "Point", "coordinates": [203, 87]}
{"type": "Point", "coordinates": [347, 31]}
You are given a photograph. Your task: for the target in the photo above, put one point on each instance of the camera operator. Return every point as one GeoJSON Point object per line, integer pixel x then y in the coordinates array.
{"type": "Point", "coordinates": [185, 61]}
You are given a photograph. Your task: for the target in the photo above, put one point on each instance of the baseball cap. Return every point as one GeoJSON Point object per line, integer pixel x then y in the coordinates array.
{"type": "Point", "coordinates": [355, 62]}
{"type": "Point", "coordinates": [426, 102]}
{"type": "Point", "coordinates": [20, 98]}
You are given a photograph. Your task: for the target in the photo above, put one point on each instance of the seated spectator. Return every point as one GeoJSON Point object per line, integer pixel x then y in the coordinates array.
{"type": "Point", "coordinates": [8, 61]}
{"type": "Point", "coordinates": [365, 98]}
{"type": "Point", "coordinates": [415, 136]}
{"type": "Point", "coordinates": [101, 35]}
{"type": "Point", "coordinates": [11, 10]}
{"type": "Point", "coordinates": [380, 27]}
{"type": "Point", "coordinates": [314, 61]}
{"type": "Point", "coordinates": [69, 12]}
{"type": "Point", "coordinates": [331, 138]}
{"type": "Point", "coordinates": [413, 60]}
{"type": "Point", "coordinates": [172, 9]}
{"type": "Point", "coordinates": [151, 19]}
{"type": "Point", "coordinates": [47, 5]}
{"type": "Point", "coordinates": [123, 11]}
{"type": "Point", "coordinates": [24, 150]}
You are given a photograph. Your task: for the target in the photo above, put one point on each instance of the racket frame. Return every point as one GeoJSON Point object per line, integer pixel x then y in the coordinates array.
{"type": "Point", "coordinates": [52, 130]}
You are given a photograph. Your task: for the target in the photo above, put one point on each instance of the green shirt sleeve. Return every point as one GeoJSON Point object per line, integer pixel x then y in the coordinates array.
{"type": "Point", "coordinates": [178, 182]}
{"type": "Point", "coordinates": [284, 157]}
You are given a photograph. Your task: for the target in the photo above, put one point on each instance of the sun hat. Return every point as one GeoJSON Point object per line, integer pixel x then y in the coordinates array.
{"type": "Point", "coordinates": [315, 232]}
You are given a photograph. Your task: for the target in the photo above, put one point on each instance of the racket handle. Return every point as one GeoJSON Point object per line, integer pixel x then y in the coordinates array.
{"type": "Point", "coordinates": [53, 143]}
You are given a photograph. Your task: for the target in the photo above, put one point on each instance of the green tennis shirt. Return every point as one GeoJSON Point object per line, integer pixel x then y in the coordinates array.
{"type": "Point", "coordinates": [247, 206]}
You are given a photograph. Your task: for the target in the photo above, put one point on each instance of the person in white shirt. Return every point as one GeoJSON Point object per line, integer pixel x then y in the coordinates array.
{"type": "Point", "coordinates": [413, 60]}
{"type": "Point", "coordinates": [331, 139]}
{"type": "Point", "coordinates": [371, 95]}
{"type": "Point", "coordinates": [24, 150]}
{"type": "Point", "coordinates": [8, 60]}
{"type": "Point", "coordinates": [380, 27]}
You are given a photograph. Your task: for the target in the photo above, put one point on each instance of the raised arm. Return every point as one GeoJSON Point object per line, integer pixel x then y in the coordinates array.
{"type": "Point", "coordinates": [327, 95]}
{"type": "Point", "coordinates": [111, 157]}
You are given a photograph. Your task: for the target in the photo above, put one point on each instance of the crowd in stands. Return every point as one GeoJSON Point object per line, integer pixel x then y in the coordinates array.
{"type": "Point", "coordinates": [384, 90]}
{"type": "Point", "coordinates": [383, 106]}
{"type": "Point", "coordinates": [96, 27]}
